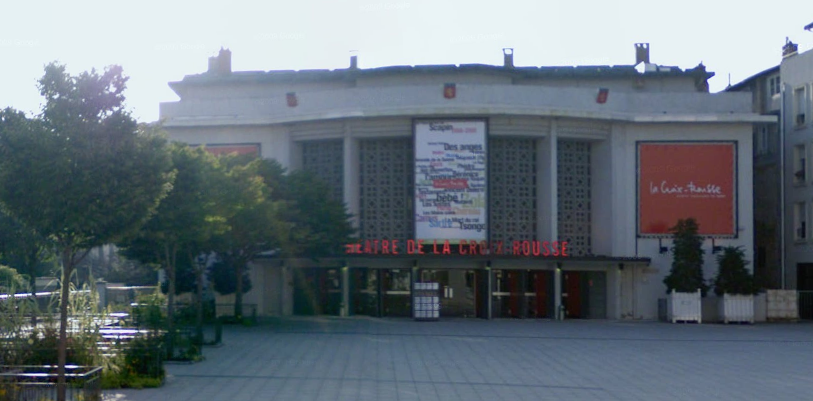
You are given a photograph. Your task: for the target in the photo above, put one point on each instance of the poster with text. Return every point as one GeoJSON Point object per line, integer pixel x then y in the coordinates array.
{"type": "Point", "coordinates": [687, 179]}
{"type": "Point", "coordinates": [450, 180]}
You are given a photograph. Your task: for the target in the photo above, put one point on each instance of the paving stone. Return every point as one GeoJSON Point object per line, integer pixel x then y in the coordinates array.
{"type": "Point", "coordinates": [471, 360]}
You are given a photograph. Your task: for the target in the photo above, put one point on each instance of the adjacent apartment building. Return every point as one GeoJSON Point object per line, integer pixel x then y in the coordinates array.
{"type": "Point", "coordinates": [525, 192]}
{"type": "Point", "coordinates": [783, 190]}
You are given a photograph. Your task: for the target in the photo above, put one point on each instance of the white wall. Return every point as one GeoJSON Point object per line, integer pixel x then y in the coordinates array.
{"type": "Point", "coordinates": [274, 141]}
{"type": "Point", "coordinates": [797, 71]}
{"type": "Point", "coordinates": [624, 190]}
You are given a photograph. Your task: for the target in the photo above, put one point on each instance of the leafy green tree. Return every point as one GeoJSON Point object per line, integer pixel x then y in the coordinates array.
{"type": "Point", "coordinates": [181, 226]}
{"type": "Point", "coordinates": [319, 225]}
{"type": "Point", "coordinates": [323, 225]}
{"type": "Point", "coordinates": [82, 173]}
{"type": "Point", "coordinates": [24, 249]}
{"type": "Point", "coordinates": [292, 216]}
{"type": "Point", "coordinates": [10, 279]}
{"type": "Point", "coordinates": [221, 273]}
{"type": "Point", "coordinates": [732, 276]}
{"type": "Point", "coordinates": [686, 274]}
{"type": "Point", "coordinates": [252, 219]}
{"type": "Point", "coordinates": [184, 277]}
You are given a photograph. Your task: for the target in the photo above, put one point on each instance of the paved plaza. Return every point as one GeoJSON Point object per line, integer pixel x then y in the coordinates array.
{"type": "Point", "coordinates": [472, 360]}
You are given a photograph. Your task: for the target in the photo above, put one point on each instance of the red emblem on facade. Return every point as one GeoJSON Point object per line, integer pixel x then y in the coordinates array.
{"type": "Point", "coordinates": [291, 99]}
{"type": "Point", "coordinates": [449, 91]}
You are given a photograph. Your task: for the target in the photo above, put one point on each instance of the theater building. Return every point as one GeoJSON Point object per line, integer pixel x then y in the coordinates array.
{"type": "Point", "coordinates": [524, 192]}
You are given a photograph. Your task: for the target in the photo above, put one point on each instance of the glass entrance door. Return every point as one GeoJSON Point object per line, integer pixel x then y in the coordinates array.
{"type": "Point", "coordinates": [364, 293]}
{"type": "Point", "coordinates": [522, 293]}
{"type": "Point", "coordinates": [457, 291]}
{"type": "Point", "coordinates": [509, 294]}
{"type": "Point", "coordinates": [317, 291]}
{"type": "Point", "coordinates": [396, 292]}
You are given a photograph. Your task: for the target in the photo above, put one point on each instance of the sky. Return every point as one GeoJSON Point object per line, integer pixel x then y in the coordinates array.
{"type": "Point", "coordinates": [157, 42]}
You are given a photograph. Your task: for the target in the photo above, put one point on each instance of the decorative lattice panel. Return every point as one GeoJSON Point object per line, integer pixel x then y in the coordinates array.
{"type": "Point", "coordinates": [512, 189]}
{"type": "Point", "coordinates": [326, 159]}
{"type": "Point", "coordinates": [574, 195]}
{"type": "Point", "coordinates": [386, 188]}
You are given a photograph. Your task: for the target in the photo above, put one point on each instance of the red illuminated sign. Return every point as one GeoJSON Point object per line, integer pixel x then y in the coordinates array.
{"type": "Point", "coordinates": [464, 248]}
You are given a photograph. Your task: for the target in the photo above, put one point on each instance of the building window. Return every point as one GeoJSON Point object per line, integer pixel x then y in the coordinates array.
{"type": "Point", "coordinates": [800, 106]}
{"type": "Point", "coordinates": [799, 164]}
{"type": "Point", "coordinates": [800, 221]}
{"type": "Point", "coordinates": [774, 86]}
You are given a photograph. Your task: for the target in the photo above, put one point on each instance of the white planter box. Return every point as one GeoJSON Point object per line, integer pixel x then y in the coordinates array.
{"type": "Point", "coordinates": [684, 307]}
{"type": "Point", "coordinates": [736, 308]}
{"type": "Point", "coordinates": [782, 304]}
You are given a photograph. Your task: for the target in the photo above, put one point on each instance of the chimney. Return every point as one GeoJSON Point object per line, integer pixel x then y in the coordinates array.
{"type": "Point", "coordinates": [789, 49]}
{"type": "Point", "coordinates": [221, 63]}
{"type": "Point", "coordinates": [641, 53]}
{"type": "Point", "coordinates": [354, 61]}
{"type": "Point", "coordinates": [508, 57]}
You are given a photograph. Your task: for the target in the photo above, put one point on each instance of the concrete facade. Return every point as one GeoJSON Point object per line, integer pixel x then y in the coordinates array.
{"type": "Point", "coordinates": [765, 90]}
{"type": "Point", "coordinates": [548, 105]}
{"type": "Point", "coordinates": [797, 78]}
{"type": "Point", "coordinates": [783, 196]}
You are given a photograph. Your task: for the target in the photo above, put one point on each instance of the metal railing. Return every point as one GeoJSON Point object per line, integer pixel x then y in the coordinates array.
{"type": "Point", "coordinates": [40, 383]}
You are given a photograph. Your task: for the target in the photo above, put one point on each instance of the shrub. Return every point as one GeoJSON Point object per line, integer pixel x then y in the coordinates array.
{"type": "Point", "coordinates": [150, 311]}
{"type": "Point", "coordinates": [732, 276]}
{"type": "Point", "coordinates": [225, 280]}
{"type": "Point", "coordinates": [143, 357]}
{"type": "Point", "coordinates": [686, 274]}
{"type": "Point", "coordinates": [10, 280]}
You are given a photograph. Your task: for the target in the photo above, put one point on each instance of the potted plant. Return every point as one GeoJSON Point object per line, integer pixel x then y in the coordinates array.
{"type": "Point", "coordinates": [684, 284]}
{"type": "Point", "coordinates": [735, 286]}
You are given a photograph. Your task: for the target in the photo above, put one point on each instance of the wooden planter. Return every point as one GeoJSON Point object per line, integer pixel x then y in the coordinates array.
{"type": "Point", "coordinates": [735, 308]}
{"type": "Point", "coordinates": [684, 307]}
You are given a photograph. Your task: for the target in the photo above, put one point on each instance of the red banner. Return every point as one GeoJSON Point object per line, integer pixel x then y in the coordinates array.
{"type": "Point", "coordinates": [682, 180]}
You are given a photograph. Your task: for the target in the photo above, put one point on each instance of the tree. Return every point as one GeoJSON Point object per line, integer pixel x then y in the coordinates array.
{"type": "Point", "coordinates": [182, 224]}
{"type": "Point", "coordinates": [184, 277]}
{"type": "Point", "coordinates": [82, 173]}
{"type": "Point", "coordinates": [10, 280]}
{"type": "Point", "coordinates": [686, 274]}
{"type": "Point", "coordinates": [224, 281]}
{"type": "Point", "coordinates": [252, 219]}
{"type": "Point", "coordinates": [732, 276]}
{"type": "Point", "coordinates": [323, 223]}
{"type": "Point", "coordinates": [24, 249]}
{"type": "Point", "coordinates": [319, 225]}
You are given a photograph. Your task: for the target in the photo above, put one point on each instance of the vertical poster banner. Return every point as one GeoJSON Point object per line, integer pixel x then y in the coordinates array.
{"type": "Point", "coordinates": [678, 180]}
{"type": "Point", "coordinates": [450, 180]}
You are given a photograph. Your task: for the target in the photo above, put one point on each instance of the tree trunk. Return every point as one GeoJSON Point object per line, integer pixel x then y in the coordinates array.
{"type": "Point", "coordinates": [32, 282]}
{"type": "Point", "coordinates": [199, 299]}
{"type": "Point", "coordinates": [31, 265]}
{"type": "Point", "coordinates": [170, 265]}
{"type": "Point", "coordinates": [62, 346]}
{"type": "Point", "coordinates": [238, 293]}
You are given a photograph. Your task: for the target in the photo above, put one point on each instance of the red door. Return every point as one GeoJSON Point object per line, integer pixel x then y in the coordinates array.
{"type": "Point", "coordinates": [541, 294]}
{"type": "Point", "coordinates": [514, 289]}
{"type": "Point", "coordinates": [573, 300]}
